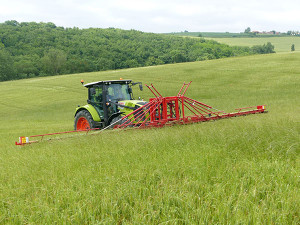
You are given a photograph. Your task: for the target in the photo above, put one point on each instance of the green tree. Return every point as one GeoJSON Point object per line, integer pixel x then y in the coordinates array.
{"type": "Point", "coordinates": [54, 61]}
{"type": "Point", "coordinates": [26, 67]}
{"type": "Point", "coordinates": [263, 49]}
{"type": "Point", "coordinates": [105, 64]}
{"type": "Point", "coordinates": [293, 47]}
{"type": "Point", "coordinates": [6, 66]}
{"type": "Point", "coordinates": [269, 48]}
{"type": "Point", "coordinates": [152, 61]}
{"type": "Point", "coordinates": [178, 56]}
{"type": "Point", "coordinates": [247, 30]}
{"type": "Point", "coordinates": [12, 22]}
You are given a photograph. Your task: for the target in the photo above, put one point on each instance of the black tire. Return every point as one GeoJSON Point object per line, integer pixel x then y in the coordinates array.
{"type": "Point", "coordinates": [84, 120]}
{"type": "Point", "coordinates": [117, 121]}
{"type": "Point", "coordinates": [114, 120]}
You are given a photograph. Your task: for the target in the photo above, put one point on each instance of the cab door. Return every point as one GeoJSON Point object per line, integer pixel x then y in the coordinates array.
{"type": "Point", "coordinates": [96, 99]}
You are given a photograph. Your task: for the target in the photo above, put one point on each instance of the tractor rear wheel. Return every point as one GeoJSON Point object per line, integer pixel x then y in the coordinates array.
{"type": "Point", "coordinates": [84, 121]}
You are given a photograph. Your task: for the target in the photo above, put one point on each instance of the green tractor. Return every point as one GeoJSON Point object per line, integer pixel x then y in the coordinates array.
{"type": "Point", "coordinates": [108, 101]}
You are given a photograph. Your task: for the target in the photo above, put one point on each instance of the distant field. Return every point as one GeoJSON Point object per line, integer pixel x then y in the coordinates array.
{"type": "Point", "coordinates": [282, 44]}
{"type": "Point", "coordinates": [212, 34]}
{"type": "Point", "coordinates": [242, 170]}
{"type": "Point", "coordinates": [225, 35]}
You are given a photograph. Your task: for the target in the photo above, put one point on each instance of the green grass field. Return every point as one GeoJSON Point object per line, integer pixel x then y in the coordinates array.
{"type": "Point", "coordinates": [282, 44]}
{"type": "Point", "coordinates": [242, 170]}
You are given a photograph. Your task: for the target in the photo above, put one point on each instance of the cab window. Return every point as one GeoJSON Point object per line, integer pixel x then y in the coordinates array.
{"type": "Point", "coordinates": [118, 92]}
{"type": "Point", "coordinates": [96, 94]}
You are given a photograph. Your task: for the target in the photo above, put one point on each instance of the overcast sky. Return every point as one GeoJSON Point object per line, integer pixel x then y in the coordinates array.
{"type": "Point", "coordinates": [159, 16]}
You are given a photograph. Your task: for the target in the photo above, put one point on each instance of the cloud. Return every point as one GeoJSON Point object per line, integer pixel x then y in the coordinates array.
{"type": "Point", "coordinates": [158, 15]}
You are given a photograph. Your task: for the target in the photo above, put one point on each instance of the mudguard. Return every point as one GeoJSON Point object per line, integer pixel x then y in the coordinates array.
{"type": "Point", "coordinates": [91, 110]}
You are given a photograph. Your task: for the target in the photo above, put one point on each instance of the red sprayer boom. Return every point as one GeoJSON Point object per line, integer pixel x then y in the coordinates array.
{"type": "Point", "coordinates": [162, 111]}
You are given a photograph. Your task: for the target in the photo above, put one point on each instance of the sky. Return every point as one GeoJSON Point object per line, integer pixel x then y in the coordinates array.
{"type": "Point", "coordinates": [159, 16]}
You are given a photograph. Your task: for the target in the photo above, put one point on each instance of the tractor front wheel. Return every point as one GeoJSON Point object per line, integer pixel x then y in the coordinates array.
{"type": "Point", "coordinates": [83, 121]}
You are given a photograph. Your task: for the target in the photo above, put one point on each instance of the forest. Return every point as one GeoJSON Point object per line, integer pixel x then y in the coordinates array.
{"type": "Point", "coordinates": [30, 49]}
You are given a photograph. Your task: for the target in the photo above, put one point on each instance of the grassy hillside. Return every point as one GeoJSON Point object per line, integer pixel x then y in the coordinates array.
{"type": "Point", "coordinates": [241, 170]}
{"type": "Point", "coordinates": [282, 44]}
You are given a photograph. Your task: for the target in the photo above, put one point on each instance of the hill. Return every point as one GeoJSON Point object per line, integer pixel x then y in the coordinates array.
{"type": "Point", "coordinates": [241, 170]}
{"type": "Point", "coordinates": [281, 44]}
{"type": "Point", "coordinates": [43, 49]}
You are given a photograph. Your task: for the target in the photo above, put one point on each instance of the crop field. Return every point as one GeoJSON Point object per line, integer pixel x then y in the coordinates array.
{"type": "Point", "coordinates": [243, 170]}
{"type": "Point", "coordinates": [282, 44]}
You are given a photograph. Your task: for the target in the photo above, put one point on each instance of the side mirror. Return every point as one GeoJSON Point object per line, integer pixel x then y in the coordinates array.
{"type": "Point", "coordinates": [141, 87]}
{"type": "Point", "coordinates": [92, 91]}
{"type": "Point", "coordinates": [130, 90]}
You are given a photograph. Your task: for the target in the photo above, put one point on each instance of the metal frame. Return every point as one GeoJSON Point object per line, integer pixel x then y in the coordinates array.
{"type": "Point", "coordinates": [165, 111]}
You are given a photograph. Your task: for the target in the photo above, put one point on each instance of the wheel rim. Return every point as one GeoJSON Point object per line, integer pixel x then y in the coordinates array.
{"type": "Point", "coordinates": [82, 124]}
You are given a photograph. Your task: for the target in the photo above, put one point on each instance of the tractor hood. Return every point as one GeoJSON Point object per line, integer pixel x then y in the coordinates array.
{"type": "Point", "coordinates": [130, 106]}
{"type": "Point", "coordinates": [132, 103]}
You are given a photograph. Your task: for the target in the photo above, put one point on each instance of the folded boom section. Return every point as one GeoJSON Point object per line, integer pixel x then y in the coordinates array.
{"type": "Point", "coordinates": [164, 111]}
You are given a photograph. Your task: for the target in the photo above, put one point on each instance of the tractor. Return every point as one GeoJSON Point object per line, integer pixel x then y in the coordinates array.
{"type": "Point", "coordinates": [108, 101]}
{"type": "Point", "coordinates": [111, 104]}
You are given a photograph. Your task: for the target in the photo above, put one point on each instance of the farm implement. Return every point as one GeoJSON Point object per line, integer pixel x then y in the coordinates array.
{"type": "Point", "coordinates": [111, 105]}
{"type": "Point", "coordinates": [165, 111]}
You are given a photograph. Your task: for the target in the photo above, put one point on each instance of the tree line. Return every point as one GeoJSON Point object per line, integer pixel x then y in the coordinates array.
{"type": "Point", "coordinates": [30, 49]}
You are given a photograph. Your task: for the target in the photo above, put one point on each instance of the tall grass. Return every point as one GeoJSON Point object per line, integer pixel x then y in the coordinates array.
{"type": "Point", "coordinates": [241, 170]}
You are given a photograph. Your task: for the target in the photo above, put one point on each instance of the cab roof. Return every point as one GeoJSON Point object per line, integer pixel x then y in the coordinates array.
{"type": "Point", "coordinates": [108, 82]}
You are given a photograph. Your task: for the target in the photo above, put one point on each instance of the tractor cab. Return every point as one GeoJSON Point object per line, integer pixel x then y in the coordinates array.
{"type": "Point", "coordinates": [107, 102]}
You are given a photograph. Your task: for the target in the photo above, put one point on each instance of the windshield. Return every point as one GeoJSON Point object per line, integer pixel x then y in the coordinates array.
{"type": "Point", "coordinates": [118, 92]}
